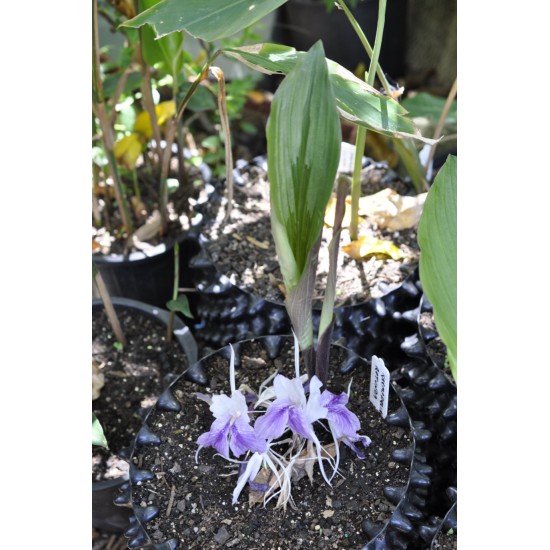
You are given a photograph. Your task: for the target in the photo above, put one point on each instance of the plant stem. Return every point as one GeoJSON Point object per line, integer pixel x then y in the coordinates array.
{"type": "Point", "coordinates": [170, 327]}
{"type": "Point", "coordinates": [170, 131]}
{"type": "Point", "coordinates": [366, 44]}
{"type": "Point", "coordinates": [360, 139]}
{"type": "Point", "coordinates": [224, 117]}
{"type": "Point", "coordinates": [362, 131]}
{"type": "Point", "coordinates": [109, 309]}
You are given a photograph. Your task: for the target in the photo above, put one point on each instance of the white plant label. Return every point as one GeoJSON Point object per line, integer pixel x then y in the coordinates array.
{"type": "Point", "coordinates": [379, 385]}
{"type": "Point", "coordinates": [347, 158]}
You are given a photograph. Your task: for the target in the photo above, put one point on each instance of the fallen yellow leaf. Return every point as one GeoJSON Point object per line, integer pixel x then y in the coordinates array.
{"type": "Point", "coordinates": [367, 246]}
{"type": "Point", "coordinates": [392, 211]}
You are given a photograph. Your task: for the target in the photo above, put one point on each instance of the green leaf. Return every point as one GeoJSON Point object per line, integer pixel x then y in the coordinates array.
{"type": "Point", "coordinates": [303, 148]}
{"type": "Point", "coordinates": [430, 106]}
{"type": "Point", "coordinates": [181, 305]}
{"type": "Point", "coordinates": [356, 100]}
{"type": "Point", "coordinates": [98, 437]}
{"type": "Point", "coordinates": [167, 51]}
{"type": "Point", "coordinates": [206, 19]}
{"type": "Point", "coordinates": [437, 241]}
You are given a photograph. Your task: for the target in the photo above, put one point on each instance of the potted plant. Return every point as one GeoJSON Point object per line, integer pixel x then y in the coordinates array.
{"type": "Point", "coordinates": [292, 434]}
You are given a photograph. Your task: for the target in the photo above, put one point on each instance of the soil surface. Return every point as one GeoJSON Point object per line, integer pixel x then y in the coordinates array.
{"type": "Point", "coordinates": [194, 498]}
{"type": "Point", "coordinates": [445, 540]}
{"type": "Point", "coordinates": [133, 376]}
{"type": "Point", "coordinates": [108, 236]}
{"type": "Point", "coordinates": [243, 248]}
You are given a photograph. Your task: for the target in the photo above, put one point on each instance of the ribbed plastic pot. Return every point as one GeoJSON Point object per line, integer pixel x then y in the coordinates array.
{"type": "Point", "coordinates": [106, 516]}
{"type": "Point", "coordinates": [402, 529]}
{"type": "Point", "coordinates": [431, 396]}
{"type": "Point", "coordinates": [147, 276]}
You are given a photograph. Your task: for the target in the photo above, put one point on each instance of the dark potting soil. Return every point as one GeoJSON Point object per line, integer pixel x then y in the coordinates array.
{"type": "Point", "coordinates": [194, 498]}
{"type": "Point", "coordinates": [133, 379]}
{"type": "Point", "coordinates": [243, 249]}
{"type": "Point", "coordinates": [108, 238]}
{"type": "Point", "coordinates": [445, 540]}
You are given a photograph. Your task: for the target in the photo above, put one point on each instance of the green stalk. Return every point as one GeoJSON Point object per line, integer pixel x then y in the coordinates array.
{"type": "Point", "coordinates": [366, 44]}
{"type": "Point", "coordinates": [362, 131]}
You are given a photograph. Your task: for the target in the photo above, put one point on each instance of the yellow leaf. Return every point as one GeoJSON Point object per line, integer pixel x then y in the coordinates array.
{"type": "Point", "coordinates": [143, 126]}
{"type": "Point", "coordinates": [163, 110]}
{"type": "Point", "coordinates": [392, 211]}
{"type": "Point", "coordinates": [367, 246]}
{"type": "Point", "coordinates": [127, 150]}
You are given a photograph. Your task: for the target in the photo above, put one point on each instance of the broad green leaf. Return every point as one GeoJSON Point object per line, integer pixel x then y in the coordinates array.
{"type": "Point", "coordinates": [437, 240]}
{"type": "Point", "coordinates": [167, 51]}
{"type": "Point", "coordinates": [181, 305]}
{"type": "Point", "coordinates": [98, 437]}
{"type": "Point", "coordinates": [303, 148]}
{"type": "Point", "coordinates": [206, 19]}
{"type": "Point", "coordinates": [356, 100]}
{"type": "Point", "coordinates": [430, 106]}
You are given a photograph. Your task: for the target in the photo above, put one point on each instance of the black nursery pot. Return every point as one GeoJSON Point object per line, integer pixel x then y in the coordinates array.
{"type": "Point", "coordinates": [106, 516]}
{"type": "Point", "coordinates": [431, 397]}
{"type": "Point", "coordinates": [165, 481]}
{"type": "Point", "coordinates": [147, 276]}
{"type": "Point", "coordinates": [302, 22]}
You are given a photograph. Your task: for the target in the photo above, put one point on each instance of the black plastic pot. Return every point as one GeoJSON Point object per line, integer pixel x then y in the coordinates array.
{"type": "Point", "coordinates": [106, 516]}
{"type": "Point", "coordinates": [302, 22]}
{"type": "Point", "coordinates": [147, 276]}
{"type": "Point", "coordinates": [431, 396]}
{"type": "Point", "coordinates": [401, 531]}
{"type": "Point", "coordinates": [448, 523]}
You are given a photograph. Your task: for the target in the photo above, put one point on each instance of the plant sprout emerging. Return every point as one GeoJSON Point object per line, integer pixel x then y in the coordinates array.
{"type": "Point", "coordinates": [285, 418]}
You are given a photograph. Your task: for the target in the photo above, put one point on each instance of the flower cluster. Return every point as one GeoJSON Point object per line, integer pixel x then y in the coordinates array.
{"type": "Point", "coordinates": [288, 423]}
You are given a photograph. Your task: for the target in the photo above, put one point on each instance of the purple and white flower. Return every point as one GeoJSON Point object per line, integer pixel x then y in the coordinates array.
{"type": "Point", "coordinates": [291, 409]}
{"type": "Point", "coordinates": [343, 423]}
{"type": "Point", "coordinates": [231, 429]}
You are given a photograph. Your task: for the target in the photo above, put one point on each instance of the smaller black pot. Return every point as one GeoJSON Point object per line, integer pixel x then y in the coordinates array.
{"type": "Point", "coordinates": [106, 516]}
{"type": "Point", "coordinates": [147, 277]}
